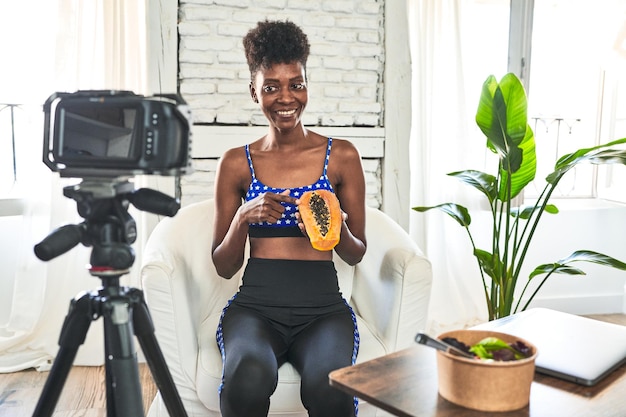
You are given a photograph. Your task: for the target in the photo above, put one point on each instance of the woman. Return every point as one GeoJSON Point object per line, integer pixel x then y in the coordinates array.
{"type": "Point", "coordinates": [289, 307]}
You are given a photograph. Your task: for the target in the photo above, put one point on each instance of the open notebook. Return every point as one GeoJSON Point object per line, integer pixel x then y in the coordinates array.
{"type": "Point", "coordinates": [574, 348]}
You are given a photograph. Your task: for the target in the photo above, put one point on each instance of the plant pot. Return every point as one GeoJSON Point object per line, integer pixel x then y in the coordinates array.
{"type": "Point", "coordinates": [481, 385]}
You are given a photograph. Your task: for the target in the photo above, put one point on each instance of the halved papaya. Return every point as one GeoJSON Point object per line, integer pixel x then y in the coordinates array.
{"type": "Point", "coordinates": [321, 215]}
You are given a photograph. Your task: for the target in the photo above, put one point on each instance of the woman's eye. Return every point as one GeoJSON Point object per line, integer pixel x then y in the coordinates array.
{"type": "Point", "coordinates": [269, 88]}
{"type": "Point", "coordinates": [299, 86]}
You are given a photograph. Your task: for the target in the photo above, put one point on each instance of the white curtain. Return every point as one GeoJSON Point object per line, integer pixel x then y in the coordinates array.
{"type": "Point", "coordinates": [98, 44]}
{"type": "Point", "coordinates": [448, 68]}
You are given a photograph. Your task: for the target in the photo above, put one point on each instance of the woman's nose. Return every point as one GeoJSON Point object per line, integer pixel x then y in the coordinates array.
{"type": "Point", "coordinates": [285, 95]}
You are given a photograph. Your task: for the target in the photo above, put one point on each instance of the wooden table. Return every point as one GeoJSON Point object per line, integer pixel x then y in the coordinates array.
{"type": "Point", "coordinates": [404, 383]}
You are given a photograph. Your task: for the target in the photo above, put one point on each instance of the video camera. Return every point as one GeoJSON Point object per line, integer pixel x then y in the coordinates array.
{"type": "Point", "coordinates": [105, 137]}
{"type": "Point", "coordinates": [109, 134]}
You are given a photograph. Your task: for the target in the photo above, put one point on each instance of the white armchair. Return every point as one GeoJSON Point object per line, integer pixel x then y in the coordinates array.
{"type": "Point", "coordinates": [389, 291]}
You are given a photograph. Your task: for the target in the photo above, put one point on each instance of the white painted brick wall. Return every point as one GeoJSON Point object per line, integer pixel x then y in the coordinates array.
{"type": "Point", "coordinates": [345, 70]}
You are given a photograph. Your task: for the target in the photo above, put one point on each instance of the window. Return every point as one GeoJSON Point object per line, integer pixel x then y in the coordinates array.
{"type": "Point", "coordinates": [485, 19]}
{"type": "Point", "coordinates": [611, 178]}
{"type": "Point", "coordinates": [577, 91]}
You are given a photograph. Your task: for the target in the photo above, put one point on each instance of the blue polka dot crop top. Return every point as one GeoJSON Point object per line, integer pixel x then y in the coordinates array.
{"type": "Point", "coordinates": [287, 225]}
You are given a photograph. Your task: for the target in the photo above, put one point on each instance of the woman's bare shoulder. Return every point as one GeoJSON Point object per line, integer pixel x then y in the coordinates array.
{"type": "Point", "coordinates": [345, 148]}
{"type": "Point", "coordinates": [233, 157]}
{"type": "Point", "coordinates": [232, 168]}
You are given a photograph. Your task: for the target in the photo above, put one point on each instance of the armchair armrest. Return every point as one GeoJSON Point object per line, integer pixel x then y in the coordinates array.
{"type": "Point", "coordinates": [169, 307]}
{"type": "Point", "coordinates": [182, 288]}
{"type": "Point", "coordinates": [392, 283]}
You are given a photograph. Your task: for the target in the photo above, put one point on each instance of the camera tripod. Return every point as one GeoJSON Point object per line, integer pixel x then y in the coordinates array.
{"type": "Point", "coordinates": [110, 230]}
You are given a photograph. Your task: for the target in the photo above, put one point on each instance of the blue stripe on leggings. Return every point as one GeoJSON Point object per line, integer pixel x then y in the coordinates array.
{"type": "Point", "coordinates": [355, 351]}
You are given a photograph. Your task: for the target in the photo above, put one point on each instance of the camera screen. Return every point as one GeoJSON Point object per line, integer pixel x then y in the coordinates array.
{"type": "Point", "coordinates": [96, 131]}
{"type": "Point", "coordinates": [98, 134]}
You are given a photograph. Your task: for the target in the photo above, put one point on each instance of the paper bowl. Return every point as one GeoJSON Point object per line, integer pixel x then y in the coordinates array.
{"type": "Point", "coordinates": [485, 386]}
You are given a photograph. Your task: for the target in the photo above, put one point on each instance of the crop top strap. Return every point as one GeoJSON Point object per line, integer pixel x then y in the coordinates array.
{"type": "Point", "coordinates": [328, 148]}
{"type": "Point", "coordinates": [330, 144]}
{"type": "Point", "coordinates": [250, 161]}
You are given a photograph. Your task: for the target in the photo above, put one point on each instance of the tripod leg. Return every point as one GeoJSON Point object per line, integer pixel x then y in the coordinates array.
{"type": "Point", "coordinates": [144, 330]}
{"type": "Point", "coordinates": [123, 386]}
{"type": "Point", "coordinates": [73, 335]}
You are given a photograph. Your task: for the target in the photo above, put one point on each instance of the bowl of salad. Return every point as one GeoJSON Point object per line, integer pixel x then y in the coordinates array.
{"type": "Point", "coordinates": [495, 376]}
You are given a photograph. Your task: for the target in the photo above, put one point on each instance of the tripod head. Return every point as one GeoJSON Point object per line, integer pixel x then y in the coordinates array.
{"type": "Point", "coordinates": [108, 227]}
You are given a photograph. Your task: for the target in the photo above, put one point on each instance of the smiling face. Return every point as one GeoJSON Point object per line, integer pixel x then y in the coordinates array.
{"type": "Point", "coordinates": [281, 91]}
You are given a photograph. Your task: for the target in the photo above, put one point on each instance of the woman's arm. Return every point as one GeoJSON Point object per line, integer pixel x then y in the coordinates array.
{"type": "Point", "coordinates": [346, 172]}
{"type": "Point", "coordinates": [230, 230]}
{"type": "Point", "coordinates": [232, 218]}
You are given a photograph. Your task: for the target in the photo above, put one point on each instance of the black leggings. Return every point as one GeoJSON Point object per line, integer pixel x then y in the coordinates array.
{"type": "Point", "coordinates": [286, 311]}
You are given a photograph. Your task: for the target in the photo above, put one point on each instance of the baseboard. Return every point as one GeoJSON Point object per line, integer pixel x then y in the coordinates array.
{"type": "Point", "coordinates": [594, 304]}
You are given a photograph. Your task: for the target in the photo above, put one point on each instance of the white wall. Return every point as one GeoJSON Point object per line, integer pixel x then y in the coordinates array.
{"type": "Point", "coordinates": [594, 225]}
{"type": "Point", "coordinates": [345, 68]}
{"type": "Point", "coordinates": [582, 224]}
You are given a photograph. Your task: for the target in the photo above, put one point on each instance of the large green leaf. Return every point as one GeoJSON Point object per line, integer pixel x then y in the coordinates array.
{"type": "Point", "coordinates": [489, 263]}
{"type": "Point", "coordinates": [563, 267]}
{"type": "Point", "coordinates": [527, 211]}
{"type": "Point", "coordinates": [525, 174]}
{"type": "Point", "coordinates": [501, 115]}
{"type": "Point", "coordinates": [516, 106]}
{"type": "Point", "coordinates": [595, 155]}
{"type": "Point", "coordinates": [485, 114]}
{"type": "Point", "coordinates": [456, 211]}
{"type": "Point", "coordinates": [501, 141]}
{"type": "Point", "coordinates": [485, 183]}
{"type": "Point", "coordinates": [514, 121]}
{"type": "Point", "coordinates": [555, 268]}
{"type": "Point", "coordinates": [594, 257]}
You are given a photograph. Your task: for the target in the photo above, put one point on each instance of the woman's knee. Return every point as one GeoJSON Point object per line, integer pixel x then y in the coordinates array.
{"type": "Point", "coordinates": [322, 400]}
{"type": "Point", "coordinates": [249, 383]}
{"type": "Point", "coordinates": [252, 375]}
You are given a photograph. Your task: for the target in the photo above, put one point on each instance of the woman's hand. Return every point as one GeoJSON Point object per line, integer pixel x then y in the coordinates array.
{"type": "Point", "coordinates": [266, 207]}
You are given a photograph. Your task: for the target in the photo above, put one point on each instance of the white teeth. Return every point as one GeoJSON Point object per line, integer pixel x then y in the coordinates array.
{"type": "Point", "coordinates": [286, 113]}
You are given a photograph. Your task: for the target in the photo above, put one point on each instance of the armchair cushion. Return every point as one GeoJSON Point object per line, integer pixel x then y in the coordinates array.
{"type": "Point", "coordinates": [389, 292]}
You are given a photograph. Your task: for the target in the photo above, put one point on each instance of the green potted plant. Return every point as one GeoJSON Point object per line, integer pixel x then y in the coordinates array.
{"type": "Point", "coordinates": [502, 117]}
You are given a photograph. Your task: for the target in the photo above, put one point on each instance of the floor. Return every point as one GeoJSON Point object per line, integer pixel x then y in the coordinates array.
{"type": "Point", "coordinates": [83, 393]}
{"type": "Point", "coordinates": [611, 318]}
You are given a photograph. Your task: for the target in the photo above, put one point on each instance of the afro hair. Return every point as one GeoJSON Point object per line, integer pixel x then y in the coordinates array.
{"type": "Point", "coordinates": [275, 42]}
